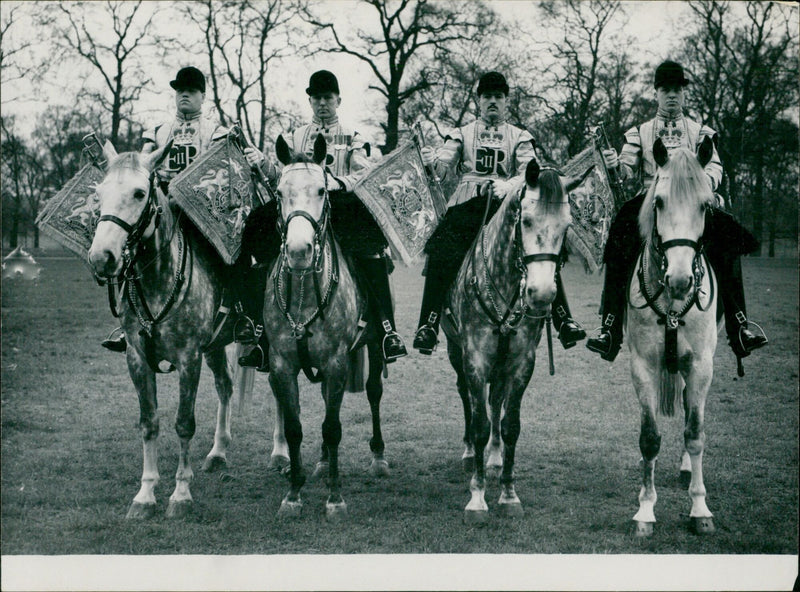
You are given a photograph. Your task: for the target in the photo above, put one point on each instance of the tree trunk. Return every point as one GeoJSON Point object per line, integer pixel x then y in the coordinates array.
{"type": "Point", "coordinates": [392, 123]}
{"type": "Point", "coordinates": [758, 203]}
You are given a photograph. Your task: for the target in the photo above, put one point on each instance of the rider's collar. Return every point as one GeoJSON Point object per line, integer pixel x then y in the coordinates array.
{"type": "Point", "coordinates": [497, 122]}
{"type": "Point", "coordinates": [665, 115]}
{"type": "Point", "coordinates": [192, 117]}
{"type": "Point", "coordinates": [325, 123]}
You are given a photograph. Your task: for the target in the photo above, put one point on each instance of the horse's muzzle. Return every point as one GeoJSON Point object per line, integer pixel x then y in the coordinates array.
{"type": "Point", "coordinates": [678, 285]}
{"type": "Point", "coordinates": [540, 298]}
{"type": "Point", "coordinates": [104, 263]}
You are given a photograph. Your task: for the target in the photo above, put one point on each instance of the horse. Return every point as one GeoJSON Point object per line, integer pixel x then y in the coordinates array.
{"type": "Point", "coordinates": [171, 311]}
{"type": "Point", "coordinates": [312, 310]}
{"type": "Point", "coordinates": [672, 320]}
{"type": "Point", "coordinates": [497, 309]}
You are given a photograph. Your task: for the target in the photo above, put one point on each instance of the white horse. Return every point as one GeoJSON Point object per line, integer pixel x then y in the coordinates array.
{"type": "Point", "coordinates": [671, 321]}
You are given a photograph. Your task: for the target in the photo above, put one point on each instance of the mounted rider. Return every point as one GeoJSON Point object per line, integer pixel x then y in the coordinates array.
{"type": "Point", "coordinates": [191, 131]}
{"type": "Point", "coordinates": [724, 238]}
{"type": "Point", "coordinates": [488, 153]}
{"type": "Point", "coordinates": [348, 158]}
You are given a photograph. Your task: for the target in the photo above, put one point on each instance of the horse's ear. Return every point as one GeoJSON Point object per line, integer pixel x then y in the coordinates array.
{"type": "Point", "coordinates": [705, 151]}
{"type": "Point", "coordinates": [153, 159]}
{"type": "Point", "coordinates": [282, 150]}
{"type": "Point", "coordinates": [320, 149]}
{"type": "Point", "coordinates": [660, 153]}
{"type": "Point", "coordinates": [532, 172]}
{"type": "Point", "coordinates": [109, 151]}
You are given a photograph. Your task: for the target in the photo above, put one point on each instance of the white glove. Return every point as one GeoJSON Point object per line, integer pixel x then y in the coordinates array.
{"type": "Point", "coordinates": [428, 155]}
{"type": "Point", "coordinates": [254, 157]}
{"type": "Point", "coordinates": [333, 184]}
{"type": "Point", "coordinates": [499, 189]}
{"type": "Point", "coordinates": [610, 158]}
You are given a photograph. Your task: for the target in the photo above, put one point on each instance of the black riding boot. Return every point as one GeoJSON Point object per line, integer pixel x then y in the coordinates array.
{"type": "Point", "coordinates": [436, 285]}
{"type": "Point", "coordinates": [376, 275]}
{"type": "Point", "coordinates": [250, 283]}
{"type": "Point", "coordinates": [569, 331]}
{"type": "Point", "coordinates": [743, 335]}
{"type": "Point", "coordinates": [115, 341]}
{"type": "Point", "coordinates": [619, 257]}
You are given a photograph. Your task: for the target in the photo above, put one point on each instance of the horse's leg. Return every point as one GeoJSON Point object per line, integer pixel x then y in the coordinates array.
{"type": "Point", "coordinates": [379, 466]}
{"type": "Point", "coordinates": [698, 382]}
{"type": "Point", "coordinates": [645, 382]}
{"type": "Point", "coordinates": [514, 385]}
{"type": "Point", "coordinates": [454, 353]}
{"type": "Point", "coordinates": [477, 511]}
{"type": "Point", "coordinates": [279, 460]}
{"type": "Point", "coordinates": [494, 452]}
{"type": "Point", "coordinates": [685, 475]}
{"type": "Point", "coordinates": [144, 380]}
{"type": "Point", "coordinates": [217, 361]}
{"type": "Point", "coordinates": [333, 385]}
{"type": "Point", "coordinates": [284, 385]}
{"type": "Point", "coordinates": [180, 502]}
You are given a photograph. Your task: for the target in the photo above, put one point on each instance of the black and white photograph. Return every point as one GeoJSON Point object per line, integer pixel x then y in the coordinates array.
{"type": "Point", "coordinates": [399, 295]}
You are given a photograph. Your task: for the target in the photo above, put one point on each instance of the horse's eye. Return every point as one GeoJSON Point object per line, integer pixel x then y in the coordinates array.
{"type": "Point", "coordinates": [527, 223]}
{"type": "Point", "coordinates": [321, 191]}
{"type": "Point", "coordinates": [138, 194]}
{"type": "Point", "coordinates": [279, 193]}
{"type": "Point", "coordinates": [659, 203]}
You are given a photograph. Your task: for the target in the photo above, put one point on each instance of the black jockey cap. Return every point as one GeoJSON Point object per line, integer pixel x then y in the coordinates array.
{"type": "Point", "coordinates": [322, 82]}
{"type": "Point", "coordinates": [670, 73]}
{"type": "Point", "coordinates": [492, 81]}
{"type": "Point", "coordinates": [189, 78]}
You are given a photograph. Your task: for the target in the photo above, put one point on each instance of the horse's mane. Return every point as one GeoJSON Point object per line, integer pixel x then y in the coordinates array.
{"type": "Point", "coordinates": [689, 187]}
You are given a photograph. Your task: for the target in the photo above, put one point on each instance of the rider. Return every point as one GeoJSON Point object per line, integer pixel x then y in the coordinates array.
{"type": "Point", "coordinates": [724, 238]}
{"type": "Point", "coordinates": [347, 159]}
{"type": "Point", "coordinates": [191, 132]}
{"type": "Point", "coordinates": [487, 150]}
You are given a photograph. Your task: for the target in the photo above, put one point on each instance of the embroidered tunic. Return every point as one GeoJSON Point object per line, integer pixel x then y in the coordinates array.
{"type": "Point", "coordinates": [347, 156]}
{"type": "Point", "coordinates": [190, 137]}
{"type": "Point", "coordinates": [636, 158]}
{"type": "Point", "coordinates": [479, 153]}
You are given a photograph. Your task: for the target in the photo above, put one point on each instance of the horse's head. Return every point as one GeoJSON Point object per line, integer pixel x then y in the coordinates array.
{"type": "Point", "coordinates": [303, 203]}
{"type": "Point", "coordinates": [543, 221]}
{"type": "Point", "coordinates": [673, 214]}
{"type": "Point", "coordinates": [128, 209]}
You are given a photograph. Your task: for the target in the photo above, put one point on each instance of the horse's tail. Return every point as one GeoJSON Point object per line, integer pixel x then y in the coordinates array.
{"type": "Point", "coordinates": [669, 390]}
{"type": "Point", "coordinates": [243, 380]}
{"type": "Point", "coordinates": [355, 372]}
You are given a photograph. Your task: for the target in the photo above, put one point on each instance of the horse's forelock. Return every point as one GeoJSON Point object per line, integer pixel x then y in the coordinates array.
{"type": "Point", "coordinates": [688, 187]}
{"type": "Point", "coordinates": [551, 192]}
{"type": "Point", "coordinates": [126, 160]}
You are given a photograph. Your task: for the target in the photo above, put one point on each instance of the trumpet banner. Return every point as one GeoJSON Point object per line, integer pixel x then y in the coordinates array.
{"type": "Point", "coordinates": [397, 194]}
{"type": "Point", "coordinates": [592, 207]}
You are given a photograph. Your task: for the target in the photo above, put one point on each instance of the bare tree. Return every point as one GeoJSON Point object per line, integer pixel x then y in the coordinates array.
{"type": "Point", "coordinates": [402, 39]}
{"type": "Point", "coordinates": [110, 38]}
{"type": "Point", "coordinates": [15, 45]}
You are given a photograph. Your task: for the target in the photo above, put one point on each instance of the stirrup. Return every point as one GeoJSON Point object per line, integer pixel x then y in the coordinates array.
{"type": "Point", "coordinates": [571, 333]}
{"type": "Point", "coordinates": [115, 341]}
{"type": "Point", "coordinates": [425, 339]}
{"type": "Point", "coordinates": [759, 334]}
{"type": "Point", "coordinates": [249, 360]}
{"type": "Point", "coordinates": [245, 330]}
{"type": "Point", "coordinates": [607, 351]}
{"type": "Point", "coordinates": [392, 345]}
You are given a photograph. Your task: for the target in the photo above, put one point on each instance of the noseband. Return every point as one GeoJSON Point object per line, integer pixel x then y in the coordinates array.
{"type": "Point", "coordinates": [152, 211]}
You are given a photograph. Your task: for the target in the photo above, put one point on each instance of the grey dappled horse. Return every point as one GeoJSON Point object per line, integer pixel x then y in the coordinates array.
{"type": "Point", "coordinates": [312, 310]}
{"type": "Point", "coordinates": [498, 305]}
{"type": "Point", "coordinates": [672, 321]}
{"type": "Point", "coordinates": [173, 292]}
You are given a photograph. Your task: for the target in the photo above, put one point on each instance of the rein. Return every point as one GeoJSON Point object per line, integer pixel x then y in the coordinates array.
{"type": "Point", "coordinates": [506, 322]}
{"type": "Point", "coordinates": [671, 319]}
{"type": "Point", "coordinates": [325, 259]}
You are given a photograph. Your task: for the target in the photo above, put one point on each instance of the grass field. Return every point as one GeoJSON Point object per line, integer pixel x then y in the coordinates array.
{"type": "Point", "coordinates": [71, 451]}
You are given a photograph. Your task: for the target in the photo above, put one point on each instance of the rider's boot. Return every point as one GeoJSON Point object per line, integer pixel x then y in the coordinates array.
{"type": "Point", "coordinates": [743, 336]}
{"type": "Point", "coordinates": [436, 285]}
{"type": "Point", "coordinates": [115, 341]}
{"type": "Point", "coordinates": [609, 341]}
{"type": "Point", "coordinates": [375, 273]}
{"type": "Point", "coordinates": [569, 331]}
{"type": "Point", "coordinates": [249, 326]}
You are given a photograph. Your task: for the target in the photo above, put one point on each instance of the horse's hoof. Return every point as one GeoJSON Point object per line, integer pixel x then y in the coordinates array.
{"type": "Point", "coordinates": [468, 462]}
{"type": "Point", "coordinates": [476, 517]}
{"type": "Point", "coordinates": [643, 529]}
{"type": "Point", "coordinates": [139, 511]}
{"type": "Point", "coordinates": [278, 463]}
{"type": "Point", "coordinates": [703, 525]}
{"type": "Point", "coordinates": [335, 512]}
{"type": "Point", "coordinates": [685, 478]}
{"type": "Point", "coordinates": [321, 470]}
{"type": "Point", "coordinates": [178, 510]}
{"type": "Point", "coordinates": [511, 510]}
{"type": "Point", "coordinates": [214, 463]}
{"type": "Point", "coordinates": [290, 509]}
{"type": "Point", "coordinates": [379, 468]}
